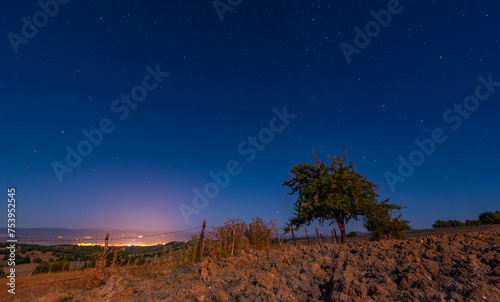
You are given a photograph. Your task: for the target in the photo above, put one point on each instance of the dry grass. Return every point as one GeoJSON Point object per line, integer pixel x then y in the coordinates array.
{"type": "Point", "coordinates": [229, 239]}
{"type": "Point", "coordinates": [226, 240]}
{"type": "Point", "coordinates": [260, 234]}
{"type": "Point", "coordinates": [53, 286]}
{"type": "Point", "coordinates": [236, 236]}
{"type": "Point", "coordinates": [104, 267]}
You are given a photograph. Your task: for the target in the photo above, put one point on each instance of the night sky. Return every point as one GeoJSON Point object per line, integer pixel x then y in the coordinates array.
{"type": "Point", "coordinates": [251, 93]}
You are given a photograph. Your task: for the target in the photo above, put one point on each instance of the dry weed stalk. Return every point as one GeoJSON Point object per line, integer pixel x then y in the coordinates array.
{"type": "Point", "coordinates": [104, 269]}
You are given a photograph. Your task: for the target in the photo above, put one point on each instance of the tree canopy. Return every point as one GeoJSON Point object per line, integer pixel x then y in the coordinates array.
{"type": "Point", "coordinates": [490, 217]}
{"type": "Point", "coordinates": [484, 218]}
{"type": "Point", "coordinates": [334, 191]}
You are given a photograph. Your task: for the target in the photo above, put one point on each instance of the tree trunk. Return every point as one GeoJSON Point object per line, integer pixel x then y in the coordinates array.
{"type": "Point", "coordinates": [341, 224]}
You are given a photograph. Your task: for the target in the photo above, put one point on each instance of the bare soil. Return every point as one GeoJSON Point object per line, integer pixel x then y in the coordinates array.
{"type": "Point", "coordinates": [460, 264]}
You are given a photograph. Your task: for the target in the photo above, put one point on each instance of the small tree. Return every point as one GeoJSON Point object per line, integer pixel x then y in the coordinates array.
{"type": "Point", "coordinates": [334, 191]}
{"type": "Point", "coordinates": [379, 221]}
{"type": "Point", "coordinates": [456, 223]}
{"type": "Point", "coordinates": [490, 217]}
{"type": "Point", "coordinates": [397, 226]}
{"type": "Point", "coordinates": [22, 260]}
{"type": "Point", "coordinates": [469, 222]}
{"type": "Point", "coordinates": [441, 224]}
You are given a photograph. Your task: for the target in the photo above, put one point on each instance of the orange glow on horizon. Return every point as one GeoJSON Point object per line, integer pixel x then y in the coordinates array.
{"type": "Point", "coordinates": [125, 244]}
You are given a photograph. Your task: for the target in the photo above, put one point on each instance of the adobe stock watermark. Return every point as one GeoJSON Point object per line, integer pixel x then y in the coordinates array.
{"type": "Point", "coordinates": [372, 29]}
{"type": "Point", "coordinates": [29, 29]}
{"type": "Point", "coordinates": [248, 148]}
{"type": "Point", "coordinates": [121, 107]}
{"type": "Point", "coordinates": [221, 7]}
{"type": "Point", "coordinates": [453, 116]}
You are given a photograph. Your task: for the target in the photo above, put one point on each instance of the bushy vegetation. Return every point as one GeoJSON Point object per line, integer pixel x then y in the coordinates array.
{"type": "Point", "coordinates": [490, 217]}
{"type": "Point", "coordinates": [448, 224]}
{"type": "Point", "coordinates": [231, 239]}
{"type": "Point", "coordinates": [352, 234]}
{"type": "Point", "coordinates": [105, 264]}
{"type": "Point", "coordinates": [22, 260]}
{"type": "Point", "coordinates": [61, 252]}
{"type": "Point", "coordinates": [228, 239]}
{"type": "Point", "coordinates": [42, 268]}
{"type": "Point", "coordinates": [469, 222]}
{"type": "Point", "coordinates": [379, 221]}
{"type": "Point", "coordinates": [484, 218]}
{"type": "Point", "coordinates": [259, 233]}
{"type": "Point", "coordinates": [45, 267]}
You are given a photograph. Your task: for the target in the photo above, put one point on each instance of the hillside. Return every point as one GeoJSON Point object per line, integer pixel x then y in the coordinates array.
{"type": "Point", "coordinates": [433, 267]}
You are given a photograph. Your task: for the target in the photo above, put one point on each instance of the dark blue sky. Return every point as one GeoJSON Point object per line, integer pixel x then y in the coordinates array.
{"type": "Point", "coordinates": [225, 78]}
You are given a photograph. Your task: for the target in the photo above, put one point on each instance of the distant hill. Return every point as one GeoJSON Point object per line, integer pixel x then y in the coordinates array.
{"type": "Point", "coordinates": [55, 232]}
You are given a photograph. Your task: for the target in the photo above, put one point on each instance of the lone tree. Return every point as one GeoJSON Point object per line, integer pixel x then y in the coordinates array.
{"type": "Point", "coordinates": [329, 192]}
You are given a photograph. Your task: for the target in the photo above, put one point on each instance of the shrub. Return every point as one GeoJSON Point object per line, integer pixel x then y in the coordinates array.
{"type": "Point", "coordinates": [99, 274]}
{"type": "Point", "coordinates": [228, 237]}
{"type": "Point", "coordinates": [60, 266]}
{"type": "Point", "coordinates": [189, 250]}
{"type": "Point", "coordinates": [104, 267]}
{"type": "Point", "coordinates": [352, 234]}
{"type": "Point", "coordinates": [42, 268]}
{"type": "Point", "coordinates": [123, 257]}
{"type": "Point", "coordinates": [132, 259]}
{"type": "Point", "coordinates": [469, 222]}
{"type": "Point", "coordinates": [22, 260]}
{"type": "Point", "coordinates": [448, 224]}
{"type": "Point", "coordinates": [379, 221]}
{"type": "Point", "coordinates": [441, 224]}
{"type": "Point", "coordinates": [456, 223]}
{"type": "Point", "coordinates": [115, 257]}
{"type": "Point", "coordinates": [37, 260]}
{"type": "Point", "coordinates": [397, 226]}
{"type": "Point", "coordinates": [490, 217]}
{"type": "Point", "coordinates": [236, 236]}
{"type": "Point", "coordinates": [259, 234]}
